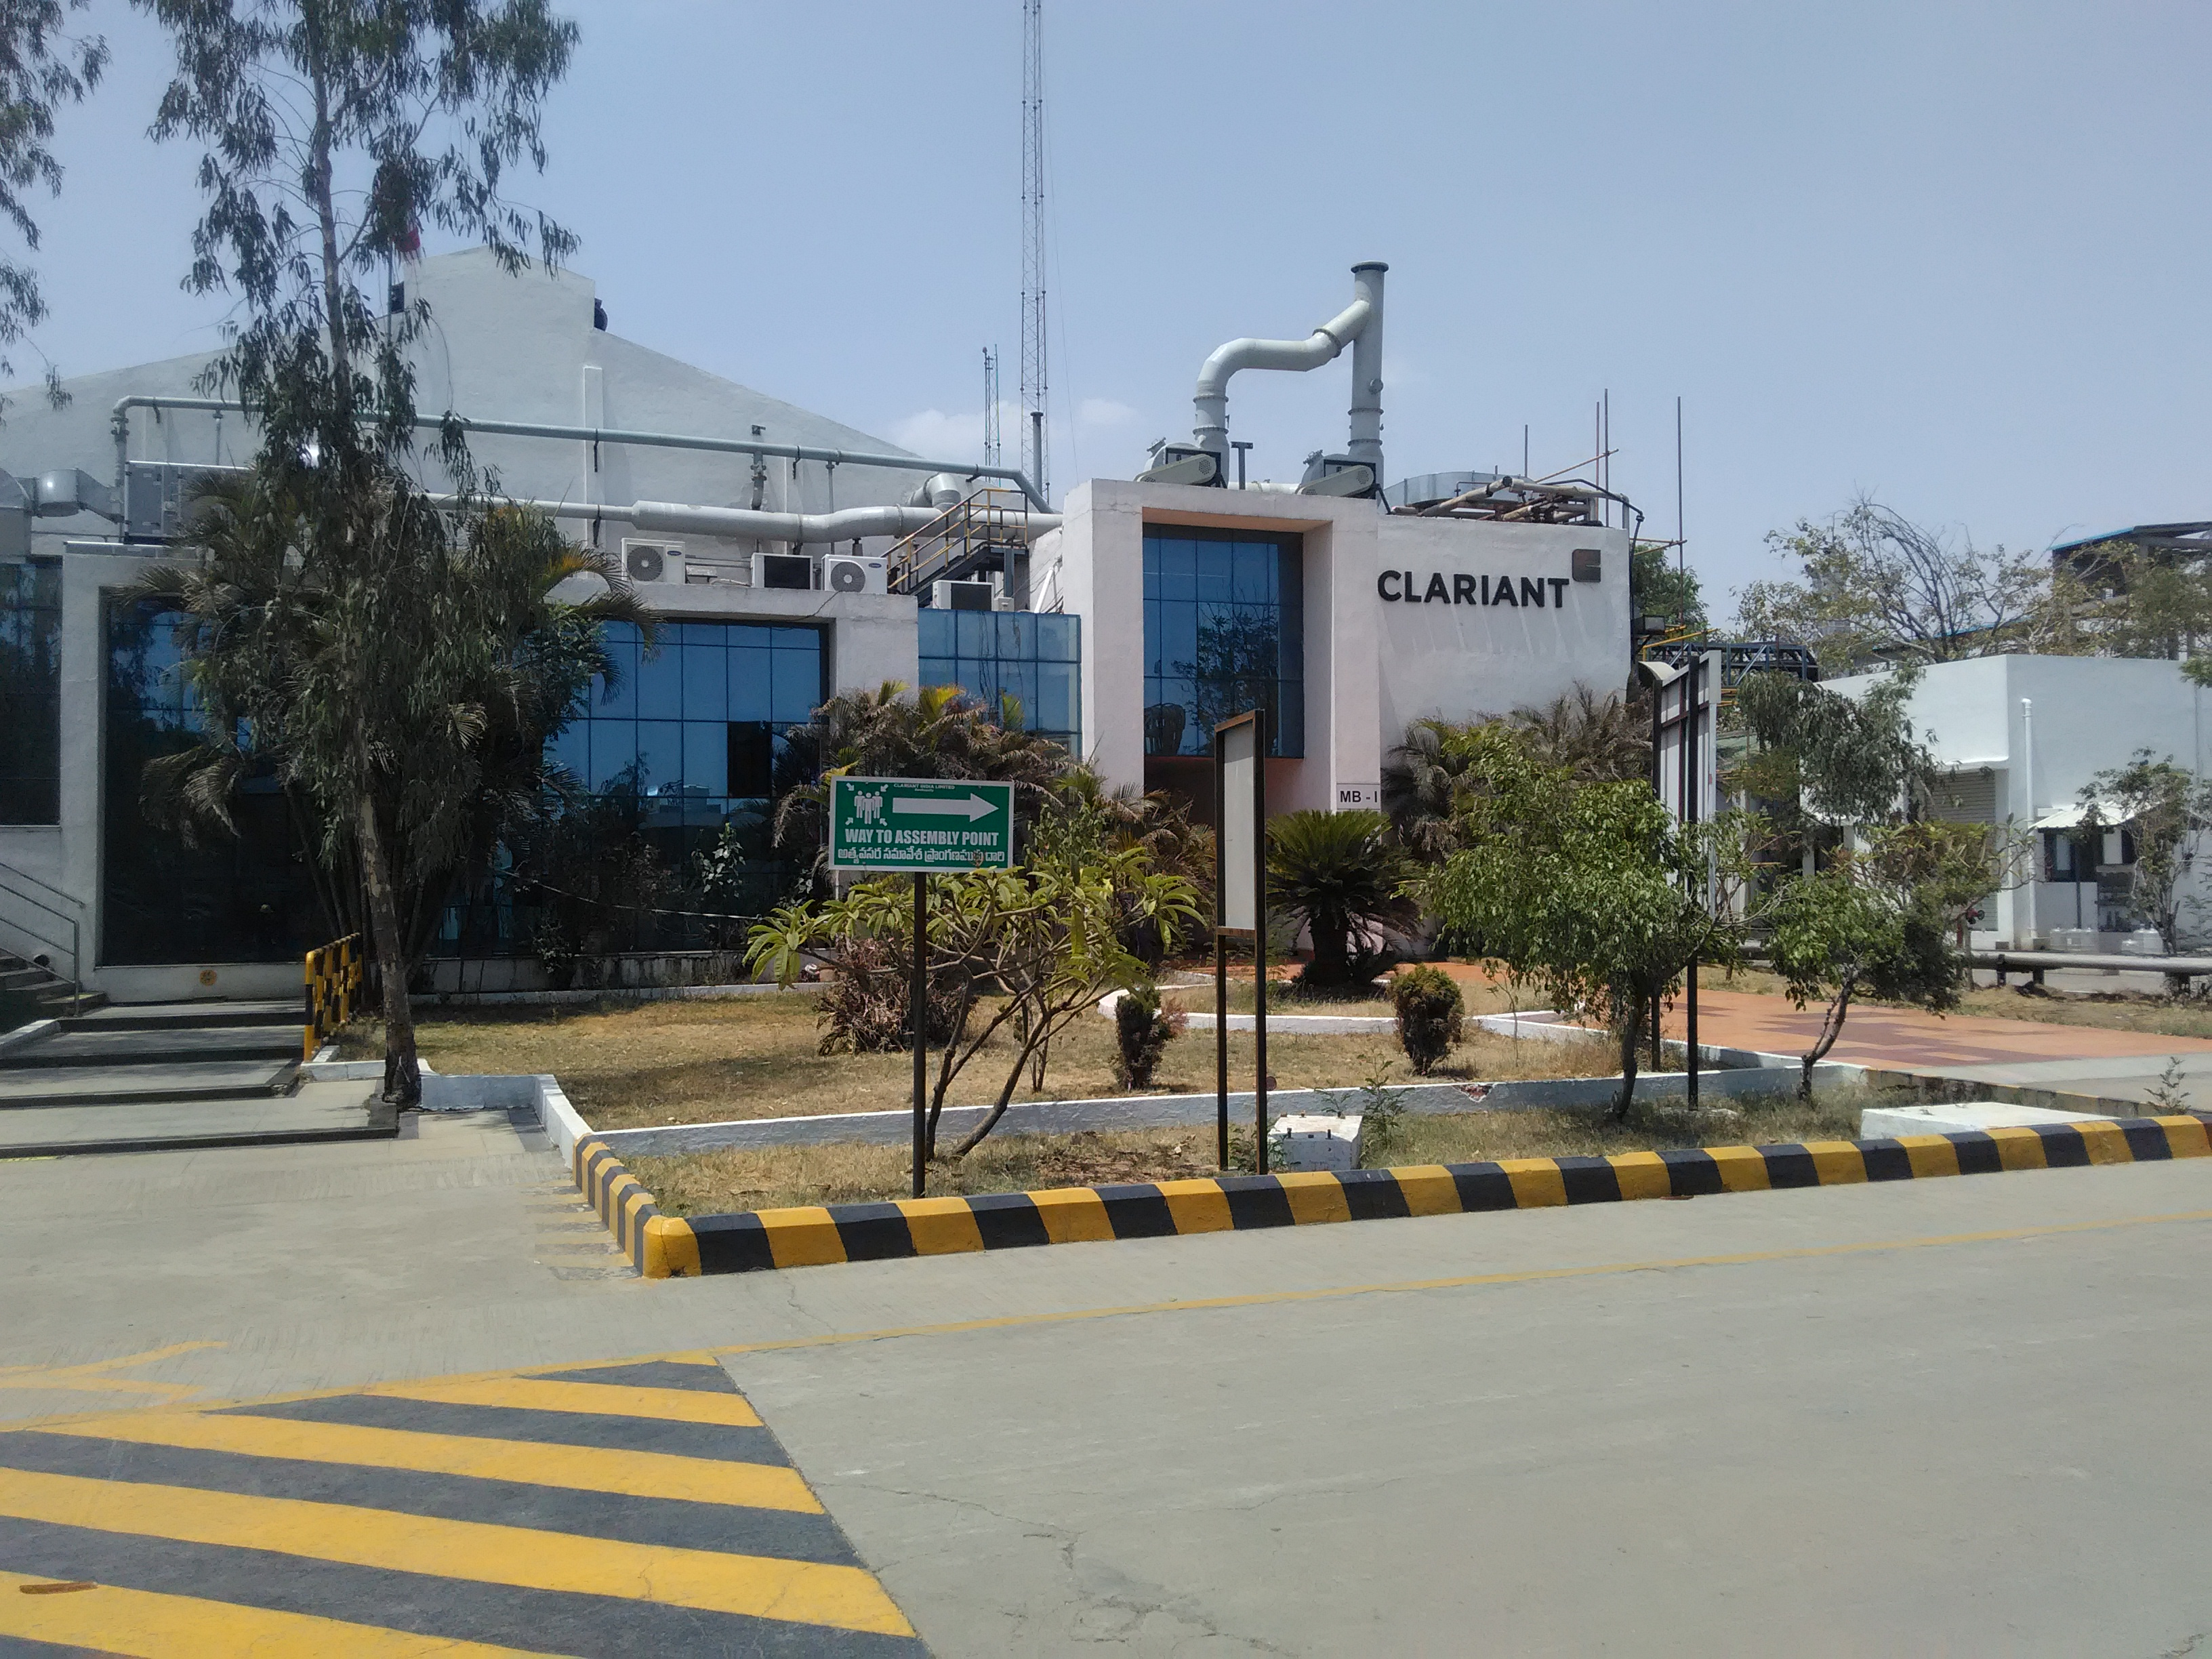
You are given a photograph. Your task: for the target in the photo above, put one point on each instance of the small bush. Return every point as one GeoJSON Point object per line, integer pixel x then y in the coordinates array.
{"type": "Point", "coordinates": [1428, 1007]}
{"type": "Point", "coordinates": [1142, 1030]}
{"type": "Point", "coordinates": [864, 1008]}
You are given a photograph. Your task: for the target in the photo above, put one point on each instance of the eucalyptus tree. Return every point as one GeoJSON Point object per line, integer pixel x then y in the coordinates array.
{"type": "Point", "coordinates": [332, 133]}
{"type": "Point", "coordinates": [400, 676]}
{"type": "Point", "coordinates": [42, 68]}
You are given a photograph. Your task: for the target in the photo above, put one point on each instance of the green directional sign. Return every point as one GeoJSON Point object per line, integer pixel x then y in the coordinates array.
{"type": "Point", "coordinates": [918, 824]}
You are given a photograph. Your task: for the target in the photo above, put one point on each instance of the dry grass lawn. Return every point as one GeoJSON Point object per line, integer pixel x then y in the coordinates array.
{"type": "Point", "coordinates": [627, 1065]}
{"type": "Point", "coordinates": [1493, 998]}
{"type": "Point", "coordinates": [708, 1184]}
{"type": "Point", "coordinates": [2112, 1011]}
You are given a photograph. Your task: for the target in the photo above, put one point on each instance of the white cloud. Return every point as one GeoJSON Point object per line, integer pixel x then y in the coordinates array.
{"type": "Point", "coordinates": [939, 436]}
{"type": "Point", "coordinates": [1104, 411]}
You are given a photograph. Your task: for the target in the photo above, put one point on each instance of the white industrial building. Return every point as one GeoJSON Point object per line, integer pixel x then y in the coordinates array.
{"type": "Point", "coordinates": [2019, 739]}
{"type": "Point", "coordinates": [795, 558]}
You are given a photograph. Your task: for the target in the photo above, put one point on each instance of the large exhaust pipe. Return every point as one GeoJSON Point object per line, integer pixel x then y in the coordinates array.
{"type": "Point", "coordinates": [1360, 325]}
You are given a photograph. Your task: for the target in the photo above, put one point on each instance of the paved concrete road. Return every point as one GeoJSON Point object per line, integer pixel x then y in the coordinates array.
{"type": "Point", "coordinates": [1949, 1416]}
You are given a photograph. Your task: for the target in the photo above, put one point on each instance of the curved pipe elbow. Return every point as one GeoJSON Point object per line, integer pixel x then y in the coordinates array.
{"type": "Point", "coordinates": [1323, 345]}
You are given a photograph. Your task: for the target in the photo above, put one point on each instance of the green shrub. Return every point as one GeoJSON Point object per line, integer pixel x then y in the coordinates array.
{"type": "Point", "coordinates": [1428, 1007]}
{"type": "Point", "coordinates": [1142, 1030]}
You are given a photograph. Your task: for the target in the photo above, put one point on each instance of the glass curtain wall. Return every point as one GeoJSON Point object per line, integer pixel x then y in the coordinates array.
{"type": "Point", "coordinates": [1224, 631]}
{"type": "Point", "coordinates": [676, 746]}
{"type": "Point", "coordinates": [1032, 656]}
{"type": "Point", "coordinates": [31, 692]}
{"type": "Point", "coordinates": [247, 898]}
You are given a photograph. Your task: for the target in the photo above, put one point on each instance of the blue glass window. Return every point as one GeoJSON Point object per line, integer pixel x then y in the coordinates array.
{"type": "Point", "coordinates": [31, 692]}
{"type": "Point", "coordinates": [1032, 656]}
{"type": "Point", "coordinates": [247, 897]}
{"type": "Point", "coordinates": [696, 727]}
{"type": "Point", "coordinates": [1224, 631]}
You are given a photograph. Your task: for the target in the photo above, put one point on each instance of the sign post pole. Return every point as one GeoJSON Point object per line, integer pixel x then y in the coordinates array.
{"type": "Point", "coordinates": [878, 826]}
{"type": "Point", "coordinates": [919, 1003]}
{"type": "Point", "coordinates": [1240, 905]}
{"type": "Point", "coordinates": [1259, 940]}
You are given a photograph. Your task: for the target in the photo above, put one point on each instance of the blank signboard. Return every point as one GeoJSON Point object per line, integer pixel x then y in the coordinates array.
{"type": "Point", "coordinates": [1240, 828]}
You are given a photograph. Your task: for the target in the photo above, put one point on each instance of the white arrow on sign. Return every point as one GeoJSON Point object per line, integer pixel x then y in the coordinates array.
{"type": "Point", "coordinates": [970, 809]}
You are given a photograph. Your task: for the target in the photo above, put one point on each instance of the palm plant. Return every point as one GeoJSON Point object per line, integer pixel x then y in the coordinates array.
{"type": "Point", "coordinates": [1340, 875]}
{"type": "Point", "coordinates": [938, 732]}
{"type": "Point", "coordinates": [397, 664]}
{"type": "Point", "coordinates": [1420, 787]}
{"type": "Point", "coordinates": [1593, 739]}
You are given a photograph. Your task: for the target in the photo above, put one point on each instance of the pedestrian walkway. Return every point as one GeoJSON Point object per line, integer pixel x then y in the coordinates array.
{"type": "Point", "coordinates": [1911, 1039]}
{"type": "Point", "coordinates": [624, 1508]}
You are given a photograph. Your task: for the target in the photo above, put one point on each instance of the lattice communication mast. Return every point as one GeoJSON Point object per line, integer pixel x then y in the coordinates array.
{"type": "Point", "coordinates": [1037, 425]}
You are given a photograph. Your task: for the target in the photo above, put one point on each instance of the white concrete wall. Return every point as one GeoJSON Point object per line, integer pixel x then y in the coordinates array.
{"type": "Point", "coordinates": [1441, 658]}
{"type": "Point", "coordinates": [1371, 664]}
{"type": "Point", "coordinates": [497, 348]}
{"type": "Point", "coordinates": [2089, 714]}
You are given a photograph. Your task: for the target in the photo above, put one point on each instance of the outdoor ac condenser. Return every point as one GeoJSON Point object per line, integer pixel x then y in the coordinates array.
{"type": "Point", "coordinates": [651, 561]}
{"type": "Point", "coordinates": [846, 573]}
{"type": "Point", "coordinates": [962, 596]}
{"type": "Point", "coordinates": [789, 570]}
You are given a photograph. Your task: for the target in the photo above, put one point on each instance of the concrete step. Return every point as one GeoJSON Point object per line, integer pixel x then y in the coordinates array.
{"type": "Point", "coordinates": [317, 1111]}
{"type": "Point", "coordinates": [117, 1085]}
{"type": "Point", "coordinates": [161, 1046]}
{"type": "Point", "coordinates": [175, 1016]}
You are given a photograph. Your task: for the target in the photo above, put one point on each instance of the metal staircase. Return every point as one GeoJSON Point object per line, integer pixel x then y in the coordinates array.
{"type": "Point", "coordinates": [42, 948]}
{"type": "Point", "coordinates": [985, 532]}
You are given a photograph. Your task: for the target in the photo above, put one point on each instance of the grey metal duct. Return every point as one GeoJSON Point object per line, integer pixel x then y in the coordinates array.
{"type": "Point", "coordinates": [742, 524]}
{"type": "Point", "coordinates": [1359, 325]}
{"type": "Point", "coordinates": [120, 425]}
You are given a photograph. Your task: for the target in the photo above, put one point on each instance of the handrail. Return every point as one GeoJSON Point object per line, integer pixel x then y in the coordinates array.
{"type": "Point", "coordinates": [74, 980]}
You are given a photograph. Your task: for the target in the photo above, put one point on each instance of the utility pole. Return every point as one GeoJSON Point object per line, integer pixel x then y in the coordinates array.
{"type": "Point", "coordinates": [991, 449]}
{"type": "Point", "coordinates": [1035, 421]}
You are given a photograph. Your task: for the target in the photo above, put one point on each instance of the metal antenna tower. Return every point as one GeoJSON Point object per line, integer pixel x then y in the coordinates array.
{"type": "Point", "coordinates": [1036, 425]}
{"type": "Point", "coordinates": [991, 450]}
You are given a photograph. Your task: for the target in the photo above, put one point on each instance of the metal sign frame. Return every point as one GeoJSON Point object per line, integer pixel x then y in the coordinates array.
{"type": "Point", "coordinates": [1685, 776]}
{"type": "Point", "coordinates": [1232, 734]}
{"type": "Point", "coordinates": [949, 806]}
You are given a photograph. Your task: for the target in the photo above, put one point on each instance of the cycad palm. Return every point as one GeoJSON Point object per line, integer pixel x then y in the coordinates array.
{"type": "Point", "coordinates": [1340, 875]}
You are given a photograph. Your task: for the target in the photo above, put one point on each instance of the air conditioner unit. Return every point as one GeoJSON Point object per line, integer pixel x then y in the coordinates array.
{"type": "Point", "coordinates": [846, 573]}
{"type": "Point", "coordinates": [963, 596]}
{"type": "Point", "coordinates": [652, 562]}
{"type": "Point", "coordinates": [787, 570]}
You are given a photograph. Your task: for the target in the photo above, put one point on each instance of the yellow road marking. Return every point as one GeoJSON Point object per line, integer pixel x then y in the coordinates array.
{"type": "Point", "coordinates": [147, 1625]}
{"type": "Point", "coordinates": [577, 1468]}
{"type": "Point", "coordinates": [761, 1586]}
{"type": "Point", "coordinates": [595, 1398]}
{"type": "Point", "coordinates": [1464, 1281]}
{"type": "Point", "coordinates": [91, 1377]}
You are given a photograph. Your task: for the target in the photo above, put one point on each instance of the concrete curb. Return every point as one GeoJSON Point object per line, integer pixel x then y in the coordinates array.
{"type": "Point", "coordinates": [668, 1247]}
{"type": "Point", "coordinates": [605, 994]}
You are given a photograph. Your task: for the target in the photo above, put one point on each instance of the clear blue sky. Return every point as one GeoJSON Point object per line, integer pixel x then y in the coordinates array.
{"type": "Point", "coordinates": [1952, 254]}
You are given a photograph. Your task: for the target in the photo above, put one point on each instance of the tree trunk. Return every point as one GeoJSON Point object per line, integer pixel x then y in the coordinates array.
{"type": "Point", "coordinates": [1629, 1012]}
{"type": "Point", "coordinates": [402, 1074]}
{"type": "Point", "coordinates": [1332, 954]}
{"type": "Point", "coordinates": [1832, 1027]}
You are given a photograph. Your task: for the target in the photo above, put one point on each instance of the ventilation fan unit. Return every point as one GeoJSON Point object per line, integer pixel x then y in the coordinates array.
{"type": "Point", "coordinates": [652, 562]}
{"type": "Point", "coordinates": [963, 596]}
{"type": "Point", "coordinates": [792, 570]}
{"type": "Point", "coordinates": [846, 572]}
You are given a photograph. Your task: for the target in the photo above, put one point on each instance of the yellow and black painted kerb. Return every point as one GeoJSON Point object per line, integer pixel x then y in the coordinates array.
{"type": "Point", "coordinates": [666, 1246]}
{"type": "Point", "coordinates": [641, 1507]}
{"type": "Point", "coordinates": [333, 991]}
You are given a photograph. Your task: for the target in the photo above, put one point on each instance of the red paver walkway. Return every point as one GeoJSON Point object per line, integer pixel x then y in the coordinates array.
{"type": "Point", "coordinates": [1910, 1037]}
{"type": "Point", "coordinates": [1897, 1037]}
